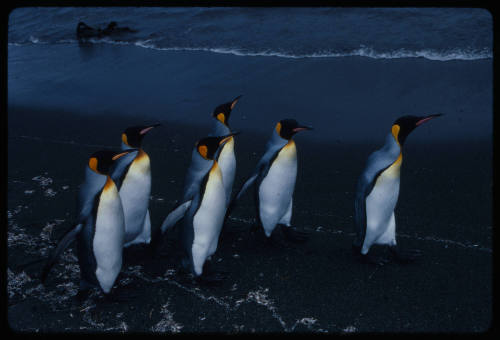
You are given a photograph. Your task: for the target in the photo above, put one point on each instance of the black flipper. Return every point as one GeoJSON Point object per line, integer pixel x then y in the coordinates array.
{"type": "Point", "coordinates": [176, 214]}
{"type": "Point", "coordinates": [255, 179]}
{"type": "Point", "coordinates": [66, 240]}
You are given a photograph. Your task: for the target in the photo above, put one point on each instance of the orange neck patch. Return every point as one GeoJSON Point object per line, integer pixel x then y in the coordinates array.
{"type": "Point", "coordinates": [109, 183]}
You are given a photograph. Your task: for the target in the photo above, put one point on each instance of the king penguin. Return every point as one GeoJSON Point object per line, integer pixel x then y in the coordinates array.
{"type": "Point", "coordinates": [134, 185]}
{"type": "Point", "coordinates": [205, 202]}
{"type": "Point", "coordinates": [377, 194]}
{"type": "Point", "coordinates": [226, 158]}
{"type": "Point", "coordinates": [274, 180]}
{"type": "Point", "coordinates": [100, 228]}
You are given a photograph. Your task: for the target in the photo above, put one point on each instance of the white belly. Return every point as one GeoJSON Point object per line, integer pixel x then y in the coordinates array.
{"type": "Point", "coordinates": [227, 164]}
{"type": "Point", "coordinates": [276, 189]}
{"type": "Point", "coordinates": [134, 193]}
{"type": "Point", "coordinates": [207, 223]}
{"type": "Point", "coordinates": [380, 204]}
{"type": "Point", "coordinates": [109, 237]}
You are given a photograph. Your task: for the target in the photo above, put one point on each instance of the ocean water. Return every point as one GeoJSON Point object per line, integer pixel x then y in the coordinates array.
{"type": "Point", "coordinates": [348, 71]}
{"type": "Point", "coordinates": [432, 33]}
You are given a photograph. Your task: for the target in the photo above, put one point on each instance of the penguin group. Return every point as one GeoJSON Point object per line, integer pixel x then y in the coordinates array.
{"type": "Point", "coordinates": [113, 201]}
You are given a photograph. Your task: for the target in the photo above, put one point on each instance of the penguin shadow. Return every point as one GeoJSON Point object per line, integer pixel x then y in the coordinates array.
{"type": "Point", "coordinates": [251, 241]}
{"type": "Point", "coordinates": [383, 255]}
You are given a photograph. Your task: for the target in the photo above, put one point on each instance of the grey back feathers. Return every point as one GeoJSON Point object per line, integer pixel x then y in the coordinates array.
{"type": "Point", "coordinates": [274, 145]}
{"type": "Point", "coordinates": [91, 186]}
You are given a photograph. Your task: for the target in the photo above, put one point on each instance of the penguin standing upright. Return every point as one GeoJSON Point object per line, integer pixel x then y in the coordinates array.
{"type": "Point", "coordinates": [205, 203]}
{"type": "Point", "coordinates": [226, 158]}
{"type": "Point", "coordinates": [377, 194]}
{"type": "Point", "coordinates": [134, 185]}
{"type": "Point", "coordinates": [100, 229]}
{"type": "Point", "coordinates": [274, 179]}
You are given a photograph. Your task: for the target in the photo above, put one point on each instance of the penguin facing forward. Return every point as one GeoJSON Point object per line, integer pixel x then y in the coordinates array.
{"type": "Point", "coordinates": [205, 202]}
{"type": "Point", "coordinates": [134, 185]}
{"type": "Point", "coordinates": [274, 181]}
{"type": "Point", "coordinates": [226, 158]}
{"type": "Point", "coordinates": [100, 229]}
{"type": "Point", "coordinates": [377, 194]}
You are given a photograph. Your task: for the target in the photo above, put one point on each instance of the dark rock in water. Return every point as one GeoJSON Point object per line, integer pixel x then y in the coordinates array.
{"type": "Point", "coordinates": [84, 31]}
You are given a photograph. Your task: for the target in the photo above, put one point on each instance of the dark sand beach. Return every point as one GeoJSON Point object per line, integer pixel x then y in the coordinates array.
{"type": "Point", "coordinates": [314, 287]}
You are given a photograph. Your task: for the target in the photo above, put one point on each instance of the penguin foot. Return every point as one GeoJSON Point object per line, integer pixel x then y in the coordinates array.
{"type": "Point", "coordinates": [215, 278]}
{"type": "Point", "coordinates": [404, 256]}
{"type": "Point", "coordinates": [160, 253]}
{"type": "Point", "coordinates": [277, 241]}
{"type": "Point", "coordinates": [81, 296]}
{"type": "Point", "coordinates": [373, 260]}
{"type": "Point", "coordinates": [119, 296]}
{"type": "Point", "coordinates": [294, 234]}
{"type": "Point", "coordinates": [369, 258]}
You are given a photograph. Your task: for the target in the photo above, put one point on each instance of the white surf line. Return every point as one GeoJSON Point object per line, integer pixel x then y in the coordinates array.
{"type": "Point", "coordinates": [415, 237]}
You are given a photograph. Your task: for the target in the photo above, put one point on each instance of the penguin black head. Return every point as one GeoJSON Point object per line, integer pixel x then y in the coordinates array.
{"type": "Point", "coordinates": [223, 111]}
{"type": "Point", "coordinates": [406, 124]}
{"type": "Point", "coordinates": [286, 128]}
{"type": "Point", "coordinates": [132, 136]}
{"type": "Point", "coordinates": [101, 161]}
{"type": "Point", "coordinates": [207, 147]}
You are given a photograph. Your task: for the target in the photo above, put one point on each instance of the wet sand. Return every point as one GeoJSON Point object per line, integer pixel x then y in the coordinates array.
{"type": "Point", "coordinates": [444, 209]}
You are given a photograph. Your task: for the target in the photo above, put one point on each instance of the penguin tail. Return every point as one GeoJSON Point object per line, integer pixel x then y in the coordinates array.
{"type": "Point", "coordinates": [66, 240]}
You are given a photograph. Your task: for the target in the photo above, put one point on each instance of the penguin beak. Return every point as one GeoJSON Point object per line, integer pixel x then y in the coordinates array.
{"type": "Point", "coordinates": [119, 155]}
{"type": "Point", "coordinates": [228, 137]}
{"type": "Point", "coordinates": [427, 118]}
{"type": "Point", "coordinates": [302, 128]}
{"type": "Point", "coordinates": [235, 100]}
{"type": "Point", "coordinates": [144, 131]}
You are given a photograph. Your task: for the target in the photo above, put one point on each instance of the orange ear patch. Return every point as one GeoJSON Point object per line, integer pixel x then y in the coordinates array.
{"type": "Point", "coordinates": [395, 131]}
{"type": "Point", "coordinates": [278, 128]}
{"type": "Point", "coordinates": [203, 150]}
{"type": "Point", "coordinates": [124, 139]}
{"type": "Point", "coordinates": [93, 164]}
{"type": "Point", "coordinates": [221, 117]}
